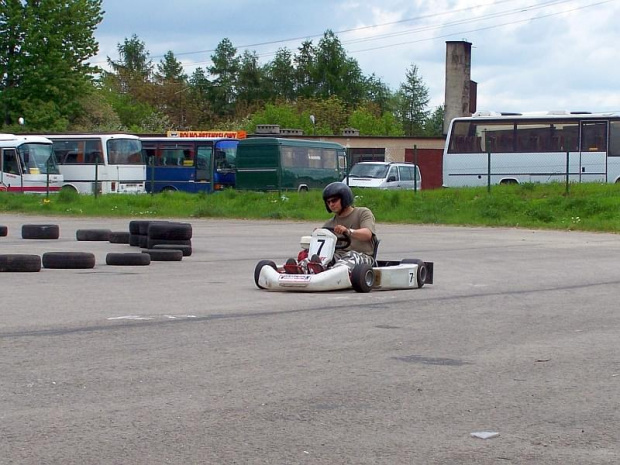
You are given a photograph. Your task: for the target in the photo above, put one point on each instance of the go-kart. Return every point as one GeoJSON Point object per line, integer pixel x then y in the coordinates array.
{"type": "Point", "coordinates": [322, 273]}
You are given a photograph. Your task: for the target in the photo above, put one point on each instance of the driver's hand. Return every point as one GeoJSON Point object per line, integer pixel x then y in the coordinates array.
{"type": "Point", "coordinates": [340, 230]}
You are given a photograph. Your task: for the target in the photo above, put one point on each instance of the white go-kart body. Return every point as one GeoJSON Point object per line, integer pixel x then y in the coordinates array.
{"type": "Point", "coordinates": [402, 274]}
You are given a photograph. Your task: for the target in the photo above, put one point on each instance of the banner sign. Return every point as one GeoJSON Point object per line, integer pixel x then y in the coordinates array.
{"type": "Point", "coordinates": [223, 134]}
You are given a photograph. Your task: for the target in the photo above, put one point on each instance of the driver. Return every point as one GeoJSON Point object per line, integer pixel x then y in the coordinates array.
{"type": "Point", "coordinates": [356, 223]}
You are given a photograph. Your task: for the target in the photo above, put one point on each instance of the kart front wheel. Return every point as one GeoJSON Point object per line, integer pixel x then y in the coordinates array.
{"type": "Point", "coordinates": [259, 266]}
{"type": "Point", "coordinates": [362, 277]}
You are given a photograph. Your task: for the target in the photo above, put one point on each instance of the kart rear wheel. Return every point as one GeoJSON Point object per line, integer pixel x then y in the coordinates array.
{"type": "Point", "coordinates": [422, 273]}
{"type": "Point", "coordinates": [259, 266]}
{"type": "Point", "coordinates": [362, 277]}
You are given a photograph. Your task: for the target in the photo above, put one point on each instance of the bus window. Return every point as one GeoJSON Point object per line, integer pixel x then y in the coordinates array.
{"type": "Point", "coordinates": [329, 159]}
{"type": "Point", "coordinates": [203, 163]}
{"type": "Point", "coordinates": [594, 136]}
{"type": "Point", "coordinates": [9, 162]}
{"type": "Point", "coordinates": [614, 138]}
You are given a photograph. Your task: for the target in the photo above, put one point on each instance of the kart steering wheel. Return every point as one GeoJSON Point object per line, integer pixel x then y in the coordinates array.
{"type": "Point", "coordinates": [342, 241]}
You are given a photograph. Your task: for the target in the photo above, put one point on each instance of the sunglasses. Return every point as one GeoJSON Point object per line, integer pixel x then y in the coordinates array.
{"type": "Point", "coordinates": [332, 200]}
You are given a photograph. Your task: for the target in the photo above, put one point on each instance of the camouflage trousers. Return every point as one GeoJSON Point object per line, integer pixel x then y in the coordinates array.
{"type": "Point", "coordinates": [351, 258]}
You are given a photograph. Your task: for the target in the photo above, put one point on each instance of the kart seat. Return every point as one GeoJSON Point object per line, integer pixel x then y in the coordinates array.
{"type": "Point", "coordinates": [375, 245]}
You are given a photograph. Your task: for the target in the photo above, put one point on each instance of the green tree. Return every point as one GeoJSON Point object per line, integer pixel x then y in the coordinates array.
{"type": "Point", "coordinates": [44, 50]}
{"type": "Point", "coordinates": [251, 79]}
{"type": "Point", "coordinates": [433, 127]}
{"type": "Point", "coordinates": [225, 73]}
{"type": "Point", "coordinates": [304, 62]}
{"type": "Point", "coordinates": [336, 74]}
{"type": "Point", "coordinates": [280, 76]}
{"type": "Point", "coordinates": [411, 103]}
{"type": "Point", "coordinates": [373, 123]}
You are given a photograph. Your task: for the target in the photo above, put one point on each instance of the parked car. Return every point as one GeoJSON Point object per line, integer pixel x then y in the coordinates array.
{"type": "Point", "coordinates": [384, 175]}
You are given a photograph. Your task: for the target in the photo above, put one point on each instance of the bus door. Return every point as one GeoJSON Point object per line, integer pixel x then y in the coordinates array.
{"type": "Point", "coordinates": [11, 170]}
{"type": "Point", "coordinates": [204, 168]}
{"type": "Point", "coordinates": [591, 162]}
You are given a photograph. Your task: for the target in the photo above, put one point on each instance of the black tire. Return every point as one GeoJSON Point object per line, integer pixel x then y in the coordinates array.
{"type": "Point", "coordinates": [163, 255]}
{"type": "Point", "coordinates": [139, 226]}
{"type": "Point", "coordinates": [20, 262]}
{"type": "Point", "coordinates": [185, 249]}
{"type": "Point", "coordinates": [362, 277]}
{"type": "Point", "coordinates": [259, 266]}
{"type": "Point", "coordinates": [128, 259]}
{"type": "Point", "coordinates": [422, 273]}
{"type": "Point", "coordinates": [143, 241]}
{"type": "Point", "coordinates": [3, 231]}
{"type": "Point", "coordinates": [119, 237]}
{"type": "Point", "coordinates": [93, 234]}
{"type": "Point", "coordinates": [134, 226]}
{"type": "Point", "coordinates": [40, 231]}
{"type": "Point", "coordinates": [134, 240]}
{"type": "Point", "coordinates": [170, 231]}
{"type": "Point", "coordinates": [68, 260]}
{"type": "Point", "coordinates": [151, 243]}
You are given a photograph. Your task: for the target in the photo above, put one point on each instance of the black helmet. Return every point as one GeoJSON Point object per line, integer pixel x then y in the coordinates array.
{"type": "Point", "coordinates": [338, 189]}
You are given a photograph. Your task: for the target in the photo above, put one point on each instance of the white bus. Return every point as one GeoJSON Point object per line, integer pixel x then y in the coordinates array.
{"type": "Point", "coordinates": [27, 164]}
{"type": "Point", "coordinates": [500, 148]}
{"type": "Point", "coordinates": [100, 163]}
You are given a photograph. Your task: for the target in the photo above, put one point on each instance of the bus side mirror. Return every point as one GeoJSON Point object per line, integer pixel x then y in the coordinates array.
{"type": "Point", "coordinates": [391, 179]}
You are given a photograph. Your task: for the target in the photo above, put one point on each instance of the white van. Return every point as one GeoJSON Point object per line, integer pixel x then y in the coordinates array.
{"type": "Point", "coordinates": [384, 175]}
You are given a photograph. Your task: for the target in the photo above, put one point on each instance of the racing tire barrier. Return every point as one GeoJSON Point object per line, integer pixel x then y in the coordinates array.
{"type": "Point", "coordinates": [134, 240]}
{"type": "Point", "coordinates": [3, 231]}
{"type": "Point", "coordinates": [93, 234]}
{"type": "Point", "coordinates": [422, 273]}
{"type": "Point", "coordinates": [68, 260]}
{"type": "Point", "coordinates": [163, 255]}
{"type": "Point", "coordinates": [362, 277]}
{"type": "Point", "coordinates": [170, 231]}
{"type": "Point", "coordinates": [259, 266]}
{"type": "Point", "coordinates": [185, 249]}
{"type": "Point", "coordinates": [128, 259]}
{"type": "Point", "coordinates": [19, 262]}
{"type": "Point", "coordinates": [119, 237]}
{"type": "Point", "coordinates": [139, 226]}
{"type": "Point", "coordinates": [40, 231]}
{"type": "Point", "coordinates": [151, 243]}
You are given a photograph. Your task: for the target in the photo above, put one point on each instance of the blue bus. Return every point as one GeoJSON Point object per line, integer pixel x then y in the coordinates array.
{"type": "Point", "coordinates": [189, 164]}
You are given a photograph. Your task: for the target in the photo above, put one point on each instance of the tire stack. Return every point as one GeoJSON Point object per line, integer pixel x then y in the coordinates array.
{"type": "Point", "coordinates": [169, 236]}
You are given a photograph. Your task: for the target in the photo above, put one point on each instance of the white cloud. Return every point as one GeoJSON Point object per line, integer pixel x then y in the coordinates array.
{"type": "Point", "coordinates": [526, 55]}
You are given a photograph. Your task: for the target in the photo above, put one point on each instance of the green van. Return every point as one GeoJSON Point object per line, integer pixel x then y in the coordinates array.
{"type": "Point", "coordinates": [271, 163]}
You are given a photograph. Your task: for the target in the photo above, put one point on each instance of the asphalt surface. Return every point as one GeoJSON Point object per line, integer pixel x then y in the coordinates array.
{"type": "Point", "coordinates": [189, 363]}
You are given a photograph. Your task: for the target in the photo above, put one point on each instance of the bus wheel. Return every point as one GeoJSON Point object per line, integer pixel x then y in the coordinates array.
{"type": "Point", "coordinates": [362, 277]}
{"type": "Point", "coordinates": [93, 234]}
{"type": "Point", "coordinates": [4, 230]}
{"type": "Point", "coordinates": [40, 231]}
{"type": "Point", "coordinates": [69, 188]}
{"type": "Point", "coordinates": [68, 260]}
{"type": "Point", "coordinates": [303, 189]}
{"type": "Point", "coordinates": [128, 259]}
{"type": "Point", "coordinates": [20, 262]}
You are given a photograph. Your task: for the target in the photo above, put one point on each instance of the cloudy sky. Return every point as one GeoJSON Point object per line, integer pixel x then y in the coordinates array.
{"type": "Point", "coordinates": [527, 55]}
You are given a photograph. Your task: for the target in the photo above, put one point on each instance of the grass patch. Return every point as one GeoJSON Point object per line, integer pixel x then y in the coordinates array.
{"type": "Point", "coordinates": [588, 207]}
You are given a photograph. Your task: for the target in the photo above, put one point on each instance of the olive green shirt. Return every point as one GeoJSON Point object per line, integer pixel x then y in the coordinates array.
{"type": "Point", "coordinates": [360, 217]}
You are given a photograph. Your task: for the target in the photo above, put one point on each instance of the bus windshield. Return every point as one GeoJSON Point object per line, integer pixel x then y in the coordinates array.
{"type": "Point", "coordinates": [38, 158]}
{"type": "Point", "coordinates": [369, 170]}
{"type": "Point", "coordinates": [225, 156]}
{"type": "Point", "coordinates": [125, 152]}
